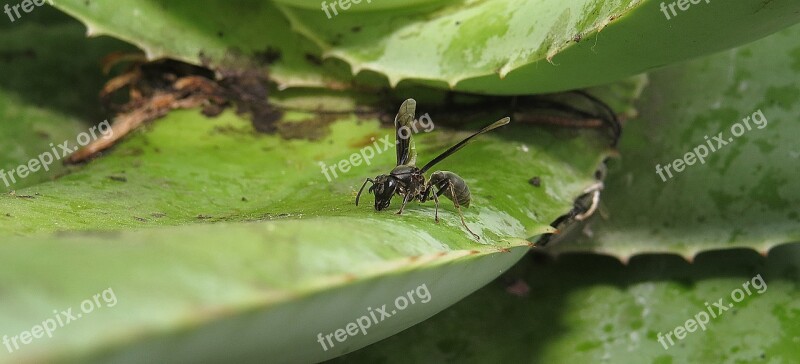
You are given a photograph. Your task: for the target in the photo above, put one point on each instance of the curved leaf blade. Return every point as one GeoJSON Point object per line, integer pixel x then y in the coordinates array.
{"type": "Point", "coordinates": [522, 47]}
{"type": "Point", "coordinates": [744, 194]}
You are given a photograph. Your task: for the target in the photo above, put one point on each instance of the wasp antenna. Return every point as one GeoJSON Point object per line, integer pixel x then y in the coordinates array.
{"type": "Point", "coordinates": [464, 142]}
{"type": "Point", "coordinates": [362, 189]}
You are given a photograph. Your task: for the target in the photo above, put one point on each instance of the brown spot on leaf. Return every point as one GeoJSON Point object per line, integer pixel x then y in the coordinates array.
{"type": "Point", "coordinates": [248, 89]}
{"type": "Point", "coordinates": [315, 128]}
{"type": "Point", "coordinates": [364, 141]}
{"type": "Point", "coordinates": [313, 59]}
{"type": "Point", "coordinates": [268, 56]}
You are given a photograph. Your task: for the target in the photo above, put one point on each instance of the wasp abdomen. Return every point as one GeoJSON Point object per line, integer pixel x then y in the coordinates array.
{"type": "Point", "coordinates": [459, 192]}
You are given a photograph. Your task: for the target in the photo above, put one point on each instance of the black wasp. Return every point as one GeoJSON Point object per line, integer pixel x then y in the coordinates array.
{"type": "Point", "coordinates": [409, 181]}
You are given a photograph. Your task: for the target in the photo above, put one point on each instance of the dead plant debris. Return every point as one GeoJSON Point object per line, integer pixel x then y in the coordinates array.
{"type": "Point", "coordinates": [155, 88]}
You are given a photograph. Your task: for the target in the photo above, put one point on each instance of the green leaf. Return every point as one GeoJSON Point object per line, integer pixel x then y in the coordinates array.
{"type": "Point", "coordinates": [591, 308]}
{"type": "Point", "coordinates": [744, 195]}
{"type": "Point", "coordinates": [359, 5]}
{"type": "Point", "coordinates": [38, 110]}
{"type": "Point", "coordinates": [490, 47]}
{"type": "Point", "coordinates": [299, 243]}
{"type": "Point", "coordinates": [191, 170]}
{"type": "Point", "coordinates": [222, 34]}
{"type": "Point", "coordinates": [587, 308]}
{"type": "Point", "coordinates": [521, 47]}
{"type": "Point", "coordinates": [207, 231]}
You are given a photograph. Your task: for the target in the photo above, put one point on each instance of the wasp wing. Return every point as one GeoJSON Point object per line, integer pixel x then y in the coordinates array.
{"type": "Point", "coordinates": [464, 142]}
{"type": "Point", "coordinates": [403, 123]}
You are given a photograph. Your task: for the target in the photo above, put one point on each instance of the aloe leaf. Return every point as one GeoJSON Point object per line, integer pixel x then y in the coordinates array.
{"type": "Point", "coordinates": [228, 226]}
{"type": "Point", "coordinates": [743, 195]}
{"type": "Point", "coordinates": [203, 227]}
{"type": "Point", "coordinates": [490, 47]}
{"type": "Point", "coordinates": [220, 34]}
{"type": "Point", "coordinates": [590, 308]}
{"type": "Point", "coordinates": [36, 111]}
{"type": "Point", "coordinates": [521, 47]}
{"type": "Point", "coordinates": [359, 5]}
{"type": "Point", "coordinates": [584, 307]}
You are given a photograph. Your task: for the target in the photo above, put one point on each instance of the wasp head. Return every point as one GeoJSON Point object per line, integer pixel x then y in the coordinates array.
{"type": "Point", "coordinates": [383, 187]}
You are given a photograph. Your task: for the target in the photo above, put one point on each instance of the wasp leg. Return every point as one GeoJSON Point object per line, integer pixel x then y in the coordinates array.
{"type": "Point", "coordinates": [436, 209]}
{"type": "Point", "coordinates": [426, 195]}
{"type": "Point", "coordinates": [460, 214]}
{"type": "Point", "coordinates": [406, 199]}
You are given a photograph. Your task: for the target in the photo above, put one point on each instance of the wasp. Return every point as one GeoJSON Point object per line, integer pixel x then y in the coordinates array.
{"type": "Point", "coordinates": [408, 181]}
